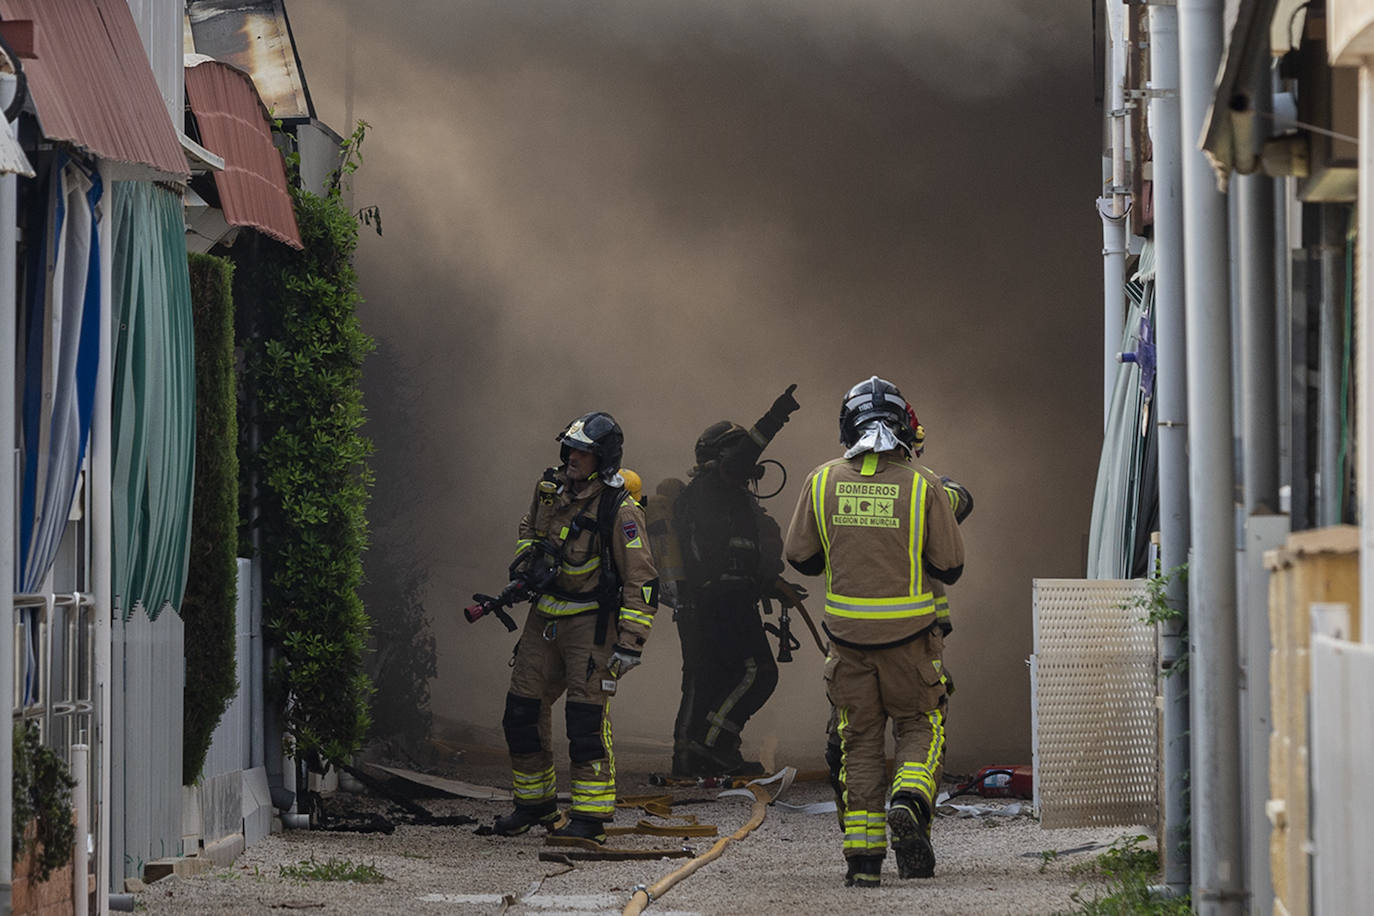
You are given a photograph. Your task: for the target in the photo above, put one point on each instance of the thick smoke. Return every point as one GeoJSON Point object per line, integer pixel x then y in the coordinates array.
{"type": "Point", "coordinates": [672, 210]}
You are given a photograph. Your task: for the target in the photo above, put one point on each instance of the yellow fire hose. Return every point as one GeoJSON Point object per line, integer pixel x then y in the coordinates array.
{"type": "Point", "coordinates": [643, 896]}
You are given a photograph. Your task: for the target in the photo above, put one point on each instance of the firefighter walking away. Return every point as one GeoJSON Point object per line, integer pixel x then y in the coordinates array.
{"type": "Point", "coordinates": [882, 530]}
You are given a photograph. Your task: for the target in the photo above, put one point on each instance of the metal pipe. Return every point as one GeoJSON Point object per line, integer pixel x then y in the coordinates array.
{"type": "Point", "coordinates": [1258, 343]}
{"type": "Point", "coordinates": [1264, 528]}
{"type": "Point", "coordinates": [1218, 860]}
{"type": "Point", "coordinates": [81, 806]}
{"type": "Point", "coordinates": [1171, 417]}
{"type": "Point", "coordinates": [1111, 206]}
{"type": "Point", "coordinates": [1331, 254]}
{"type": "Point", "coordinates": [1364, 312]}
{"type": "Point", "coordinates": [8, 396]}
{"type": "Point", "coordinates": [102, 529]}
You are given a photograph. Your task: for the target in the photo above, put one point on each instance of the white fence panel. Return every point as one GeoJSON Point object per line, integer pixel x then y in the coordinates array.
{"type": "Point", "coordinates": [1342, 759]}
{"type": "Point", "coordinates": [148, 713]}
{"type": "Point", "coordinates": [1096, 724]}
{"type": "Point", "coordinates": [231, 746]}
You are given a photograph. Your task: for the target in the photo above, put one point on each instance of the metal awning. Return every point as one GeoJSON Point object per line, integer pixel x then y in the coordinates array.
{"type": "Point", "coordinates": [234, 124]}
{"type": "Point", "coordinates": [91, 85]}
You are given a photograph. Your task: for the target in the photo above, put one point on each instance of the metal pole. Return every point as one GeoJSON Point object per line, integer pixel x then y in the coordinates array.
{"type": "Point", "coordinates": [1331, 251]}
{"type": "Point", "coordinates": [8, 383]}
{"type": "Point", "coordinates": [102, 541]}
{"type": "Point", "coordinates": [1171, 412]}
{"type": "Point", "coordinates": [1258, 344]}
{"type": "Point", "coordinates": [1112, 208]}
{"type": "Point", "coordinates": [1264, 527]}
{"type": "Point", "coordinates": [80, 802]}
{"type": "Point", "coordinates": [1364, 397]}
{"type": "Point", "coordinates": [1218, 859]}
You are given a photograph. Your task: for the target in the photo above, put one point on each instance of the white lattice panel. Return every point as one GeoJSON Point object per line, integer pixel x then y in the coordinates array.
{"type": "Point", "coordinates": [1096, 725]}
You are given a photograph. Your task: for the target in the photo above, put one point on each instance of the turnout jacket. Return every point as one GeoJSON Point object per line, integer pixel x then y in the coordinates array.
{"type": "Point", "coordinates": [568, 518]}
{"type": "Point", "coordinates": [882, 530]}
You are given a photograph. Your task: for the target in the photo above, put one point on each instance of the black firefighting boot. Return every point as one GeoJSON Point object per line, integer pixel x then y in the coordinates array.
{"type": "Point", "coordinates": [581, 828]}
{"type": "Point", "coordinates": [526, 816]}
{"type": "Point", "coordinates": [864, 871]}
{"type": "Point", "coordinates": [908, 817]}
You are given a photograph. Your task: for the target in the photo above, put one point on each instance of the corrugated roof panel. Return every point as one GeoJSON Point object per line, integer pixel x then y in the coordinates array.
{"type": "Point", "coordinates": [255, 36]}
{"type": "Point", "coordinates": [92, 86]}
{"type": "Point", "coordinates": [233, 123]}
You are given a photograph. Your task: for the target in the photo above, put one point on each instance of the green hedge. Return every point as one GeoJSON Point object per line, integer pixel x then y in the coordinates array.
{"type": "Point", "coordinates": [211, 593]}
{"type": "Point", "coordinates": [304, 369]}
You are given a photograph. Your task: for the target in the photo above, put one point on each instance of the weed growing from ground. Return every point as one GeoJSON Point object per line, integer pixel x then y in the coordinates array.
{"type": "Point", "coordinates": [1121, 884]}
{"type": "Point", "coordinates": [334, 870]}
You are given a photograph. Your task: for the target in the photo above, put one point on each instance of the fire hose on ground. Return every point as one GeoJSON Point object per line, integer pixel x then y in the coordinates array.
{"type": "Point", "coordinates": [643, 896]}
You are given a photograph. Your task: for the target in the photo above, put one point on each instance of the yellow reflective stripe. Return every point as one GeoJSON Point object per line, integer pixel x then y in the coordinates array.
{"type": "Point", "coordinates": [529, 787]}
{"type": "Point", "coordinates": [916, 542]}
{"type": "Point", "coordinates": [593, 798]}
{"type": "Point", "coordinates": [842, 726]}
{"type": "Point", "coordinates": [876, 613]}
{"type": "Point", "coordinates": [522, 545]}
{"type": "Point", "coordinates": [561, 607]}
{"type": "Point", "coordinates": [879, 608]}
{"type": "Point", "coordinates": [818, 509]}
{"type": "Point", "coordinates": [865, 831]}
{"type": "Point", "coordinates": [870, 466]}
{"type": "Point", "coordinates": [630, 614]}
{"type": "Point", "coordinates": [590, 566]}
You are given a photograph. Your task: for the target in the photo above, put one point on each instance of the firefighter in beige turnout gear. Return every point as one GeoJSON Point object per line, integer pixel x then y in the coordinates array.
{"type": "Point", "coordinates": [881, 530]}
{"type": "Point", "coordinates": [583, 632]}
{"type": "Point", "coordinates": [961, 501]}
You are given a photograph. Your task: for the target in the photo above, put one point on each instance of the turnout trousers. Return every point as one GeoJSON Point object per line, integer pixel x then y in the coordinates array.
{"type": "Point", "coordinates": [867, 688]}
{"type": "Point", "coordinates": [554, 655]}
{"type": "Point", "coordinates": [728, 673]}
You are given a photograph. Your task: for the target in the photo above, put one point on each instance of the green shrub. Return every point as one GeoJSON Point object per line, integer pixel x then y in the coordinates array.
{"type": "Point", "coordinates": [42, 795]}
{"type": "Point", "coordinates": [305, 349]}
{"type": "Point", "coordinates": [208, 609]}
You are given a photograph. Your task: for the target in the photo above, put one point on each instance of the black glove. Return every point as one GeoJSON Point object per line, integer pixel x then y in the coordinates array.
{"type": "Point", "coordinates": [769, 424]}
{"type": "Point", "coordinates": [785, 405]}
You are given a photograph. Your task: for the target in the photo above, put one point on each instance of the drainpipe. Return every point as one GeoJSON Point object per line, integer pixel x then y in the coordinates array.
{"type": "Point", "coordinates": [8, 382]}
{"type": "Point", "coordinates": [1331, 253]}
{"type": "Point", "coordinates": [1364, 314]}
{"type": "Point", "coordinates": [1171, 417]}
{"type": "Point", "coordinates": [102, 544]}
{"type": "Point", "coordinates": [1216, 811]}
{"type": "Point", "coordinates": [1258, 333]}
{"type": "Point", "coordinates": [1112, 208]}
{"type": "Point", "coordinates": [81, 804]}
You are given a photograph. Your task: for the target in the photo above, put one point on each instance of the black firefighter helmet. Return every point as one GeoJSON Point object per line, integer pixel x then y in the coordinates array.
{"type": "Point", "coordinates": [876, 399]}
{"type": "Point", "coordinates": [596, 432]}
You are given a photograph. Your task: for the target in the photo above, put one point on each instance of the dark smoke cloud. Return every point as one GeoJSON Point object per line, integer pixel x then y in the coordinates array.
{"type": "Point", "coordinates": [673, 210]}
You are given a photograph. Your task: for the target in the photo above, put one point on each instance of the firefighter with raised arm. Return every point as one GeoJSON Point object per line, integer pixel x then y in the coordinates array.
{"type": "Point", "coordinates": [591, 610]}
{"type": "Point", "coordinates": [730, 553]}
{"type": "Point", "coordinates": [881, 529]}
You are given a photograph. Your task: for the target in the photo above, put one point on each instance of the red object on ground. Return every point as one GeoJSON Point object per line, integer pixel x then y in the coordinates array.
{"type": "Point", "coordinates": [1001, 782]}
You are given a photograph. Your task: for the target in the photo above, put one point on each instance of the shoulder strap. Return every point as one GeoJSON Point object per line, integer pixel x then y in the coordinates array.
{"type": "Point", "coordinates": [609, 599]}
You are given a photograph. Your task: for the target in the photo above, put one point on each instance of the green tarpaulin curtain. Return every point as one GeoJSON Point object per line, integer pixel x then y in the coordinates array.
{"type": "Point", "coordinates": [154, 399]}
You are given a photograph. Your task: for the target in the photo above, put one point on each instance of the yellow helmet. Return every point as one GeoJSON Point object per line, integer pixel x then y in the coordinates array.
{"type": "Point", "coordinates": [632, 483]}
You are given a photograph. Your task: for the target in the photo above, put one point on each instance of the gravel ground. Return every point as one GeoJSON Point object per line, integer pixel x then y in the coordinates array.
{"type": "Point", "coordinates": [791, 863]}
